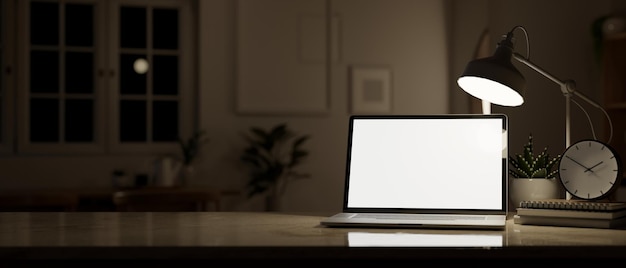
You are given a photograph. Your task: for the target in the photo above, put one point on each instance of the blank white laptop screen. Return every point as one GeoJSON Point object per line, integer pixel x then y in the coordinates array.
{"type": "Point", "coordinates": [426, 163]}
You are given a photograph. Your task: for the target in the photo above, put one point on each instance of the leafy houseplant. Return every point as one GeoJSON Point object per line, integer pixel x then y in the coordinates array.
{"type": "Point", "coordinates": [191, 146]}
{"type": "Point", "coordinates": [527, 165]}
{"type": "Point", "coordinates": [273, 157]}
{"type": "Point", "coordinates": [190, 149]}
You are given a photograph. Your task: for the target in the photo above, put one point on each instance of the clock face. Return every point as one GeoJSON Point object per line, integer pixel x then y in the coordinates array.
{"type": "Point", "coordinates": [590, 169]}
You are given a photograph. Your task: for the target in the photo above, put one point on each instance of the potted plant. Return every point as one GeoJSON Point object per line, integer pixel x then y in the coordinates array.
{"type": "Point", "coordinates": [191, 146]}
{"type": "Point", "coordinates": [190, 149]}
{"type": "Point", "coordinates": [273, 156]}
{"type": "Point", "coordinates": [533, 176]}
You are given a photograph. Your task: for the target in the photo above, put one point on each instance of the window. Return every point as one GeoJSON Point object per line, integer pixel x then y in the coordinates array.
{"type": "Point", "coordinates": [151, 94]}
{"type": "Point", "coordinates": [6, 76]}
{"type": "Point", "coordinates": [61, 100]}
{"type": "Point", "coordinates": [103, 76]}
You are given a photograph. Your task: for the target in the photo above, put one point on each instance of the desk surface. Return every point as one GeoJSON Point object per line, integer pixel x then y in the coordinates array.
{"type": "Point", "coordinates": [278, 236]}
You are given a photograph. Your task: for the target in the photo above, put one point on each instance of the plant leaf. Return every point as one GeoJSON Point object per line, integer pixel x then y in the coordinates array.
{"type": "Point", "coordinates": [272, 156]}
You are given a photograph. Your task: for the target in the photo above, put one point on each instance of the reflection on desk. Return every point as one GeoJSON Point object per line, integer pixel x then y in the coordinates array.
{"type": "Point", "coordinates": [403, 239]}
{"type": "Point", "coordinates": [263, 236]}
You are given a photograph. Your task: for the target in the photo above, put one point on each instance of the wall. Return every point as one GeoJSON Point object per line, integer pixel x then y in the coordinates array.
{"type": "Point", "coordinates": [407, 35]}
{"type": "Point", "coordinates": [427, 43]}
{"type": "Point", "coordinates": [410, 36]}
{"type": "Point", "coordinates": [561, 43]}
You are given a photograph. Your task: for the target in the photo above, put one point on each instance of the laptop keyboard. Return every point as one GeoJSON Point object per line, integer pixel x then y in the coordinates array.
{"type": "Point", "coordinates": [418, 217]}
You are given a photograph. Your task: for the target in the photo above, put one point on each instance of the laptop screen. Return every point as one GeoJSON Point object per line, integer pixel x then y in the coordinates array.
{"type": "Point", "coordinates": [427, 162]}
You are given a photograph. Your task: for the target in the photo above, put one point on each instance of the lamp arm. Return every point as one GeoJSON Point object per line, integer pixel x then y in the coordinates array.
{"type": "Point", "coordinates": [567, 87]}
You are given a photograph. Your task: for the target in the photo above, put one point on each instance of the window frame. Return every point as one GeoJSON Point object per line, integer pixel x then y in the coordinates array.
{"type": "Point", "coordinates": [25, 146]}
{"type": "Point", "coordinates": [7, 61]}
{"type": "Point", "coordinates": [186, 116]}
{"type": "Point", "coordinates": [106, 81]}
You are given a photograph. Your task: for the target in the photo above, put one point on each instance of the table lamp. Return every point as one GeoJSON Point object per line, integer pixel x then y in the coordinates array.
{"type": "Point", "coordinates": [496, 80]}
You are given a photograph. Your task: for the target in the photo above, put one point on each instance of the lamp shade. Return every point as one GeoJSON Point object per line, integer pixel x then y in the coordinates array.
{"type": "Point", "coordinates": [495, 79]}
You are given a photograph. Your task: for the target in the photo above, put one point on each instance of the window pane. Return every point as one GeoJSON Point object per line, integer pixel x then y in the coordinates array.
{"type": "Point", "coordinates": [165, 31]}
{"type": "Point", "coordinates": [79, 25]}
{"type": "Point", "coordinates": [79, 120]}
{"type": "Point", "coordinates": [133, 121]}
{"type": "Point", "coordinates": [131, 82]}
{"type": "Point", "coordinates": [44, 120]}
{"type": "Point", "coordinates": [44, 71]}
{"type": "Point", "coordinates": [79, 72]}
{"type": "Point", "coordinates": [44, 23]}
{"type": "Point", "coordinates": [165, 125]}
{"type": "Point", "coordinates": [165, 75]}
{"type": "Point", "coordinates": [133, 27]}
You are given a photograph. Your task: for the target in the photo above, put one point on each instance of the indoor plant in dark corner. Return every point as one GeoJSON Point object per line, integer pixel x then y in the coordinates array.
{"type": "Point", "coordinates": [190, 149]}
{"type": "Point", "coordinates": [533, 176]}
{"type": "Point", "coordinates": [273, 156]}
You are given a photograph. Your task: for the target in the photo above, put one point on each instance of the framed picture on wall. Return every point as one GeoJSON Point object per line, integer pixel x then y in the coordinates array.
{"type": "Point", "coordinates": [281, 57]}
{"type": "Point", "coordinates": [370, 89]}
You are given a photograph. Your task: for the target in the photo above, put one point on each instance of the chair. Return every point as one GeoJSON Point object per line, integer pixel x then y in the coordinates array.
{"type": "Point", "coordinates": [166, 200]}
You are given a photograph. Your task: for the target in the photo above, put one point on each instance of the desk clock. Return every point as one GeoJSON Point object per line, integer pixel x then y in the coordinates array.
{"type": "Point", "coordinates": [590, 170]}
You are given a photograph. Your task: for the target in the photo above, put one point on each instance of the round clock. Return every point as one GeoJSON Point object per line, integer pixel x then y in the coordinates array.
{"type": "Point", "coordinates": [590, 169]}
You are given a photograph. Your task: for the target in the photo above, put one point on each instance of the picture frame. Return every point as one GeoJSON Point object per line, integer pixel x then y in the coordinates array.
{"type": "Point", "coordinates": [270, 80]}
{"type": "Point", "coordinates": [371, 89]}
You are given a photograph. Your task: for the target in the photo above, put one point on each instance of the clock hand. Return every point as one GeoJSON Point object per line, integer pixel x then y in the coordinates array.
{"type": "Point", "coordinates": [586, 168]}
{"type": "Point", "coordinates": [590, 169]}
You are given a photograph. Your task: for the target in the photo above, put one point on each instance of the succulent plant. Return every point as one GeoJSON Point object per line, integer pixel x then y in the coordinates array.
{"type": "Point", "coordinates": [527, 165]}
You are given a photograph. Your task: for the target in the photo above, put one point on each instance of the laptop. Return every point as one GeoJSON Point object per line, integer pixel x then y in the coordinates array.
{"type": "Point", "coordinates": [423, 171]}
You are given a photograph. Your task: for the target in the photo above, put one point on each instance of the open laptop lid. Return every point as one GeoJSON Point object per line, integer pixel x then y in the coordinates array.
{"type": "Point", "coordinates": [449, 163]}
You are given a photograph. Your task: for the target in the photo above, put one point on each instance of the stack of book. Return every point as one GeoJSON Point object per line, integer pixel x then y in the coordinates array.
{"type": "Point", "coordinates": [572, 213]}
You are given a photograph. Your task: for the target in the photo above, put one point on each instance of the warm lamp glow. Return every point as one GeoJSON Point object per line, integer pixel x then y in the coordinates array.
{"type": "Point", "coordinates": [495, 79]}
{"type": "Point", "coordinates": [490, 91]}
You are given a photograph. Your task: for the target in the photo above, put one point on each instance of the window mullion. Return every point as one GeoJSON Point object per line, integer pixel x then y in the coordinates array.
{"type": "Point", "coordinates": [62, 51]}
{"type": "Point", "coordinates": [149, 76]}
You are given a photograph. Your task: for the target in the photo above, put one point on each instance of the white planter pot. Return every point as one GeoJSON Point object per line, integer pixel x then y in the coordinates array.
{"type": "Point", "coordinates": [521, 189]}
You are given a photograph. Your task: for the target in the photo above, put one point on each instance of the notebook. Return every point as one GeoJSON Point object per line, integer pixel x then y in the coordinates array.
{"type": "Point", "coordinates": [421, 171]}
